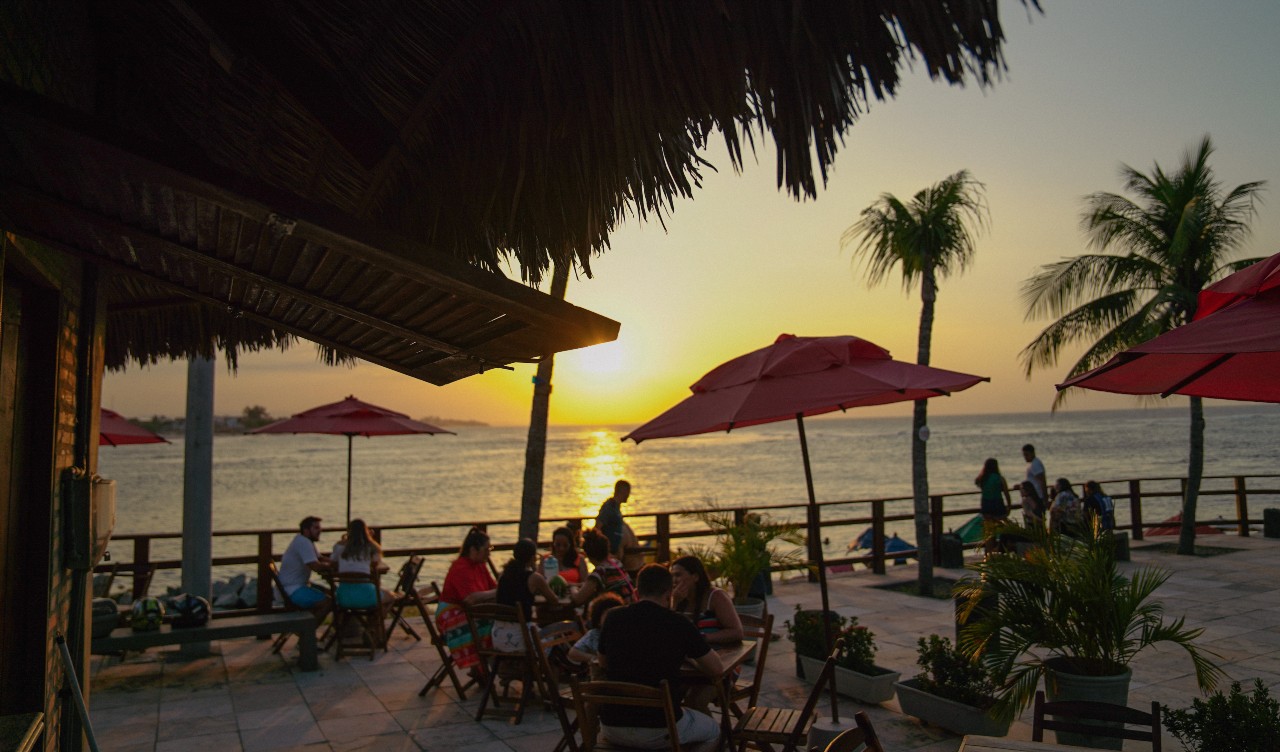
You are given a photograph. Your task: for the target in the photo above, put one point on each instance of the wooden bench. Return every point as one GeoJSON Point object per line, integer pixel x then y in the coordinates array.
{"type": "Point", "coordinates": [257, 625]}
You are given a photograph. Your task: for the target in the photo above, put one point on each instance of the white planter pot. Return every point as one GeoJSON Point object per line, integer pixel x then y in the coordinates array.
{"type": "Point", "coordinates": [872, 690]}
{"type": "Point", "coordinates": [953, 716]}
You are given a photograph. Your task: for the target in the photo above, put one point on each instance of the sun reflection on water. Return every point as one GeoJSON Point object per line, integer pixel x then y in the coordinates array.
{"type": "Point", "coordinates": [600, 465]}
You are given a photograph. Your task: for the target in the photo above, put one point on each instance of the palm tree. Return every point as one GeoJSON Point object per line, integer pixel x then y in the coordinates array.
{"type": "Point", "coordinates": [535, 450]}
{"type": "Point", "coordinates": [933, 235]}
{"type": "Point", "coordinates": [1154, 256]}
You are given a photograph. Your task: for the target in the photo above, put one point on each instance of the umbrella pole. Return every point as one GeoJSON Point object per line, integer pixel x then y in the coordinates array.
{"type": "Point", "coordinates": [815, 534]}
{"type": "Point", "coordinates": [349, 438]}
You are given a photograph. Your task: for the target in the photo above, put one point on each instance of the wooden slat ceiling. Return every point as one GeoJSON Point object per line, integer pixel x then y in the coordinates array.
{"type": "Point", "coordinates": [176, 224]}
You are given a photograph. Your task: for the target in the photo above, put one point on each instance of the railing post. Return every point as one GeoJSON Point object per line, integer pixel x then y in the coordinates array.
{"type": "Point", "coordinates": [815, 540]}
{"type": "Point", "coordinates": [1135, 508]}
{"type": "Point", "coordinates": [1242, 507]}
{"type": "Point", "coordinates": [141, 563]}
{"type": "Point", "coordinates": [877, 536]}
{"type": "Point", "coordinates": [266, 594]}
{"type": "Point", "coordinates": [935, 523]}
{"type": "Point", "coordinates": [662, 530]}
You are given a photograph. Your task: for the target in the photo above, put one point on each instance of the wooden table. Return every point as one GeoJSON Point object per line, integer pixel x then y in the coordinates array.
{"type": "Point", "coordinates": [731, 657]}
{"type": "Point", "coordinates": [1000, 744]}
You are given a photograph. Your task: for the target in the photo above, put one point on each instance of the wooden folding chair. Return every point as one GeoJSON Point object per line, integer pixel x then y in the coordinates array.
{"type": "Point", "coordinates": [320, 612]}
{"type": "Point", "coordinates": [589, 696]}
{"type": "Point", "coordinates": [787, 727]}
{"type": "Point", "coordinates": [748, 688]}
{"type": "Point", "coordinates": [521, 663]}
{"type": "Point", "coordinates": [406, 595]}
{"type": "Point", "coordinates": [868, 731]}
{"type": "Point", "coordinates": [447, 670]}
{"type": "Point", "coordinates": [556, 694]}
{"type": "Point", "coordinates": [368, 620]}
{"type": "Point", "coordinates": [1069, 715]}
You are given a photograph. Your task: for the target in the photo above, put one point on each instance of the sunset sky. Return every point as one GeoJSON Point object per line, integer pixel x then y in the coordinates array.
{"type": "Point", "coordinates": [1091, 84]}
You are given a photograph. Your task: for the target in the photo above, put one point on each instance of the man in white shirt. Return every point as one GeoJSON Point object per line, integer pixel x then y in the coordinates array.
{"type": "Point", "coordinates": [1035, 474]}
{"type": "Point", "coordinates": [299, 561]}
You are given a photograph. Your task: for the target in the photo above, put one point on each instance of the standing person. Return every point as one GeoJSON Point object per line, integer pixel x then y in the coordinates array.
{"type": "Point", "coordinates": [1032, 507]}
{"type": "Point", "coordinates": [358, 553]}
{"type": "Point", "coordinates": [299, 561]}
{"type": "Point", "coordinates": [1066, 515]}
{"type": "Point", "coordinates": [518, 585]}
{"type": "Point", "coordinates": [609, 519]}
{"type": "Point", "coordinates": [995, 500]}
{"type": "Point", "coordinates": [468, 581]}
{"type": "Point", "coordinates": [1099, 505]}
{"type": "Point", "coordinates": [1036, 476]}
{"type": "Point", "coordinates": [646, 643]}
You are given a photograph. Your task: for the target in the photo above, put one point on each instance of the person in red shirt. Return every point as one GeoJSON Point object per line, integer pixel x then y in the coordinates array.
{"type": "Point", "coordinates": [469, 580]}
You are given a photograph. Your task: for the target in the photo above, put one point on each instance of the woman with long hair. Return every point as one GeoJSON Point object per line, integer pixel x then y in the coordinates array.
{"type": "Point", "coordinates": [468, 581]}
{"type": "Point", "coordinates": [358, 553]}
{"type": "Point", "coordinates": [518, 585]}
{"type": "Point", "coordinates": [710, 608]}
{"type": "Point", "coordinates": [995, 500]}
{"type": "Point", "coordinates": [570, 564]}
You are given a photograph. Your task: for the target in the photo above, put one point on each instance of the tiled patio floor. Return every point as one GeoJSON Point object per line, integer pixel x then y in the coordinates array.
{"type": "Point", "coordinates": [245, 698]}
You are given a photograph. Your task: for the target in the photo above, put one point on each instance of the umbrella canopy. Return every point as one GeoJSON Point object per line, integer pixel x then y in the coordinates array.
{"type": "Point", "coordinates": [351, 418]}
{"type": "Point", "coordinates": [798, 377]}
{"type": "Point", "coordinates": [1234, 353]}
{"type": "Point", "coordinates": [1246, 283]}
{"type": "Point", "coordinates": [795, 377]}
{"type": "Point", "coordinates": [114, 430]}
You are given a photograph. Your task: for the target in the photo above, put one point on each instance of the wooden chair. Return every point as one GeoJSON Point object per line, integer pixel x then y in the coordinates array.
{"type": "Point", "coordinates": [406, 595]}
{"type": "Point", "coordinates": [748, 688]}
{"type": "Point", "coordinates": [1070, 713]}
{"type": "Point", "coordinates": [496, 663]}
{"type": "Point", "coordinates": [860, 739]}
{"type": "Point", "coordinates": [589, 696]}
{"type": "Point", "coordinates": [868, 731]}
{"type": "Point", "coordinates": [557, 694]}
{"type": "Point", "coordinates": [787, 727]}
{"type": "Point", "coordinates": [447, 670]}
{"type": "Point", "coordinates": [368, 620]}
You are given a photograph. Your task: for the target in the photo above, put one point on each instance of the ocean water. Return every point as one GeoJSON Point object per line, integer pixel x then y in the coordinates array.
{"type": "Point", "coordinates": [273, 481]}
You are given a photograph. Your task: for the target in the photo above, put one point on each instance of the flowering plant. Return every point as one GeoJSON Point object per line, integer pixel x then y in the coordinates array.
{"type": "Point", "coordinates": [858, 651]}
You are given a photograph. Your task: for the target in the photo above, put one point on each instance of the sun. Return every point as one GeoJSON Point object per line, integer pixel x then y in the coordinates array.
{"type": "Point", "coordinates": [604, 358]}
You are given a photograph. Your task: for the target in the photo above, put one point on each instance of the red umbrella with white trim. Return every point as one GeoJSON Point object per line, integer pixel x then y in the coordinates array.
{"type": "Point", "coordinates": [351, 418]}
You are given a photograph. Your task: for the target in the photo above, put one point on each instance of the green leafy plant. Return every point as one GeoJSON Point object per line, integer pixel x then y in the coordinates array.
{"type": "Point", "coordinates": [805, 630]}
{"type": "Point", "coordinates": [1232, 723]}
{"type": "Point", "coordinates": [1064, 604]}
{"type": "Point", "coordinates": [858, 649]}
{"type": "Point", "coordinates": [746, 545]}
{"type": "Point", "coordinates": [948, 672]}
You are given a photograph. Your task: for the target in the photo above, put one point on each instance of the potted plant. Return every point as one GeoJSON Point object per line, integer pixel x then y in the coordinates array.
{"type": "Point", "coordinates": [1233, 723]}
{"type": "Point", "coordinates": [856, 674]}
{"type": "Point", "coordinates": [952, 691]}
{"type": "Point", "coordinates": [746, 547]}
{"type": "Point", "coordinates": [806, 631]}
{"type": "Point", "coordinates": [1064, 612]}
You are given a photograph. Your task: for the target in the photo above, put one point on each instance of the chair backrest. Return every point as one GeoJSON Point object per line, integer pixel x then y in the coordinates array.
{"type": "Point", "coordinates": [870, 737]}
{"type": "Point", "coordinates": [558, 638]}
{"type": "Point", "coordinates": [760, 630]}
{"type": "Point", "coordinates": [852, 740]}
{"type": "Point", "coordinates": [589, 696]}
{"type": "Point", "coordinates": [1068, 715]}
{"type": "Point", "coordinates": [491, 612]}
{"type": "Point", "coordinates": [408, 580]}
{"type": "Point", "coordinates": [274, 569]}
{"type": "Point", "coordinates": [811, 704]}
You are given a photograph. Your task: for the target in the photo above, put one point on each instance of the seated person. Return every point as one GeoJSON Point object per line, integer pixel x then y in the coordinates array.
{"type": "Point", "coordinates": [1065, 516]}
{"type": "Point", "coordinates": [708, 607]}
{"type": "Point", "coordinates": [608, 575]}
{"type": "Point", "coordinates": [298, 562]}
{"type": "Point", "coordinates": [588, 646]}
{"type": "Point", "coordinates": [645, 643]}
{"type": "Point", "coordinates": [1099, 505]}
{"type": "Point", "coordinates": [468, 581]}
{"type": "Point", "coordinates": [358, 553]}
{"type": "Point", "coordinates": [570, 565]}
{"type": "Point", "coordinates": [517, 586]}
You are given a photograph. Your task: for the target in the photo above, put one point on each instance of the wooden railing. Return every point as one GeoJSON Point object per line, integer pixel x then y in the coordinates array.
{"type": "Point", "coordinates": [671, 527]}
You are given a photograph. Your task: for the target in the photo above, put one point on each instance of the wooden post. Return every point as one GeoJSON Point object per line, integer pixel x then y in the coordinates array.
{"type": "Point", "coordinates": [815, 540]}
{"type": "Point", "coordinates": [266, 593]}
{"type": "Point", "coordinates": [662, 531]}
{"type": "Point", "coordinates": [935, 520]}
{"type": "Point", "coordinates": [1135, 508]}
{"type": "Point", "coordinates": [141, 563]}
{"type": "Point", "coordinates": [877, 536]}
{"type": "Point", "coordinates": [1242, 508]}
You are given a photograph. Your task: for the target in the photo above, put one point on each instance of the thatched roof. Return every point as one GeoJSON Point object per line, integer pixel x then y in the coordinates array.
{"type": "Point", "coordinates": [363, 142]}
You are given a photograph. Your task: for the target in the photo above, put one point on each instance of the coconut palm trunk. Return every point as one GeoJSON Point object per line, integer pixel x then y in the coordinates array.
{"type": "Point", "coordinates": [535, 452]}
{"type": "Point", "coordinates": [919, 448]}
{"type": "Point", "coordinates": [1195, 472]}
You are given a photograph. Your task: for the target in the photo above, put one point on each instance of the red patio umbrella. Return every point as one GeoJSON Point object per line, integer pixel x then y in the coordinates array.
{"type": "Point", "coordinates": [114, 430]}
{"type": "Point", "coordinates": [351, 418]}
{"type": "Point", "coordinates": [1233, 353]}
{"type": "Point", "coordinates": [796, 377]}
{"type": "Point", "coordinates": [1246, 283]}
